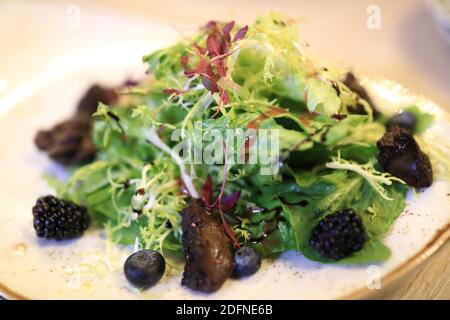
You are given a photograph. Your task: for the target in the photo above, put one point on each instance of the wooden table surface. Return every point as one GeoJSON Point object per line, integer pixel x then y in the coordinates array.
{"type": "Point", "coordinates": [430, 280]}
{"type": "Point", "coordinates": [406, 49]}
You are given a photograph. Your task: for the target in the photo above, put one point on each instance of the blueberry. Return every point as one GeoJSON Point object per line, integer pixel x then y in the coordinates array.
{"type": "Point", "coordinates": [246, 262]}
{"type": "Point", "coordinates": [144, 268]}
{"type": "Point", "coordinates": [405, 120]}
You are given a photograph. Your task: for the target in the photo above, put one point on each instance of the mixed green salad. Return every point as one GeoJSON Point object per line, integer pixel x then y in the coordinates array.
{"type": "Point", "coordinates": [260, 77]}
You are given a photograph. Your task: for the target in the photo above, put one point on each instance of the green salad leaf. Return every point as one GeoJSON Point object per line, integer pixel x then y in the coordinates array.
{"type": "Point", "coordinates": [423, 119]}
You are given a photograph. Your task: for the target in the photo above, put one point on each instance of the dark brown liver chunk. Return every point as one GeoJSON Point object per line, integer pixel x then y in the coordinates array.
{"type": "Point", "coordinates": [68, 142]}
{"type": "Point", "coordinates": [400, 155]}
{"type": "Point", "coordinates": [209, 258]}
{"type": "Point", "coordinates": [353, 84]}
{"type": "Point", "coordinates": [95, 94]}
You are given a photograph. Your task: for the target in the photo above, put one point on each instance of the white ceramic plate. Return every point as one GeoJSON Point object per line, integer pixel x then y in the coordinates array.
{"type": "Point", "coordinates": [87, 268]}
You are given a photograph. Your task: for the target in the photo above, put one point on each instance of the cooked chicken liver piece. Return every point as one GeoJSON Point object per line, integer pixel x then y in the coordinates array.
{"type": "Point", "coordinates": [400, 155]}
{"type": "Point", "coordinates": [353, 84]}
{"type": "Point", "coordinates": [89, 102]}
{"type": "Point", "coordinates": [209, 257]}
{"type": "Point", "coordinates": [68, 142]}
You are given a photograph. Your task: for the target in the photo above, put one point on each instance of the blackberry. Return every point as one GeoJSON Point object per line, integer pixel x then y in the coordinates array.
{"type": "Point", "coordinates": [59, 219]}
{"type": "Point", "coordinates": [338, 235]}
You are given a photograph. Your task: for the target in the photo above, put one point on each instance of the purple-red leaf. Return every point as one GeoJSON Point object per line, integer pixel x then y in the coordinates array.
{"type": "Point", "coordinates": [199, 69]}
{"type": "Point", "coordinates": [214, 44]}
{"type": "Point", "coordinates": [228, 27]}
{"type": "Point", "coordinates": [199, 49]}
{"type": "Point", "coordinates": [229, 202]}
{"type": "Point", "coordinates": [206, 192]}
{"type": "Point", "coordinates": [209, 83]}
{"type": "Point", "coordinates": [221, 67]}
{"type": "Point", "coordinates": [229, 231]}
{"type": "Point", "coordinates": [240, 34]}
{"type": "Point", "coordinates": [227, 37]}
{"type": "Point", "coordinates": [224, 97]}
{"type": "Point", "coordinates": [210, 25]}
{"type": "Point", "coordinates": [189, 73]}
{"type": "Point", "coordinates": [218, 204]}
{"type": "Point", "coordinates": [209, 71]}
{"type": "Point", "coordinates": [226, 44]}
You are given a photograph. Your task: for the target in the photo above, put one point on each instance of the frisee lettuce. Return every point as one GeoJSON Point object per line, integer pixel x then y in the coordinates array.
{"type": "Point", "coordinates": [375, 178]}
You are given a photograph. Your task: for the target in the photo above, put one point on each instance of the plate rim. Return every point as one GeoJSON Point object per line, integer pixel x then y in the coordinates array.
{"type": "Point", "coordinates": [441, 237]}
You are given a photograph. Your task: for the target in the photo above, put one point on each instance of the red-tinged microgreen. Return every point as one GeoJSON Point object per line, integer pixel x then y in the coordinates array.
{"type": "Point", "coordinates": [214, 44]}
{"type": "Point", "coordinates": [225, 55]}
{"type": "Point", "coordinates": [210, 25]}
{"type": "Point", "coordinates": [240, 34]}
{"type": "Point", "coordinates": [211, 63]}
{"type": "Point", "coordinates": [199, 49]}
{"type": "Point", "coordinates": [222, 203]}
{"type": "Point", "coordinates": [228, 27]}
{"type": "Point", "coordinates": [201, 67]}
{"type": "Point", "coordinates": [229, 231]}
{"type": "Point", "coordinates": [206, 192]}
{"type": "Point", "coordinates": [230, 201]}
{"type": "Point", "coordinates": [221, 68]}
{"type": "Point", "coordinates": [210, 84]}
{"type": "Point", "coordinates": [224, 97]}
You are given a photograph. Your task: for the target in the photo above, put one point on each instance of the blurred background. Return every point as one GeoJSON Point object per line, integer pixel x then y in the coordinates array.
{"type": "Point", "coordinates": [406, 46]}
{"type": "Point", "coordinates": [407, 41]}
